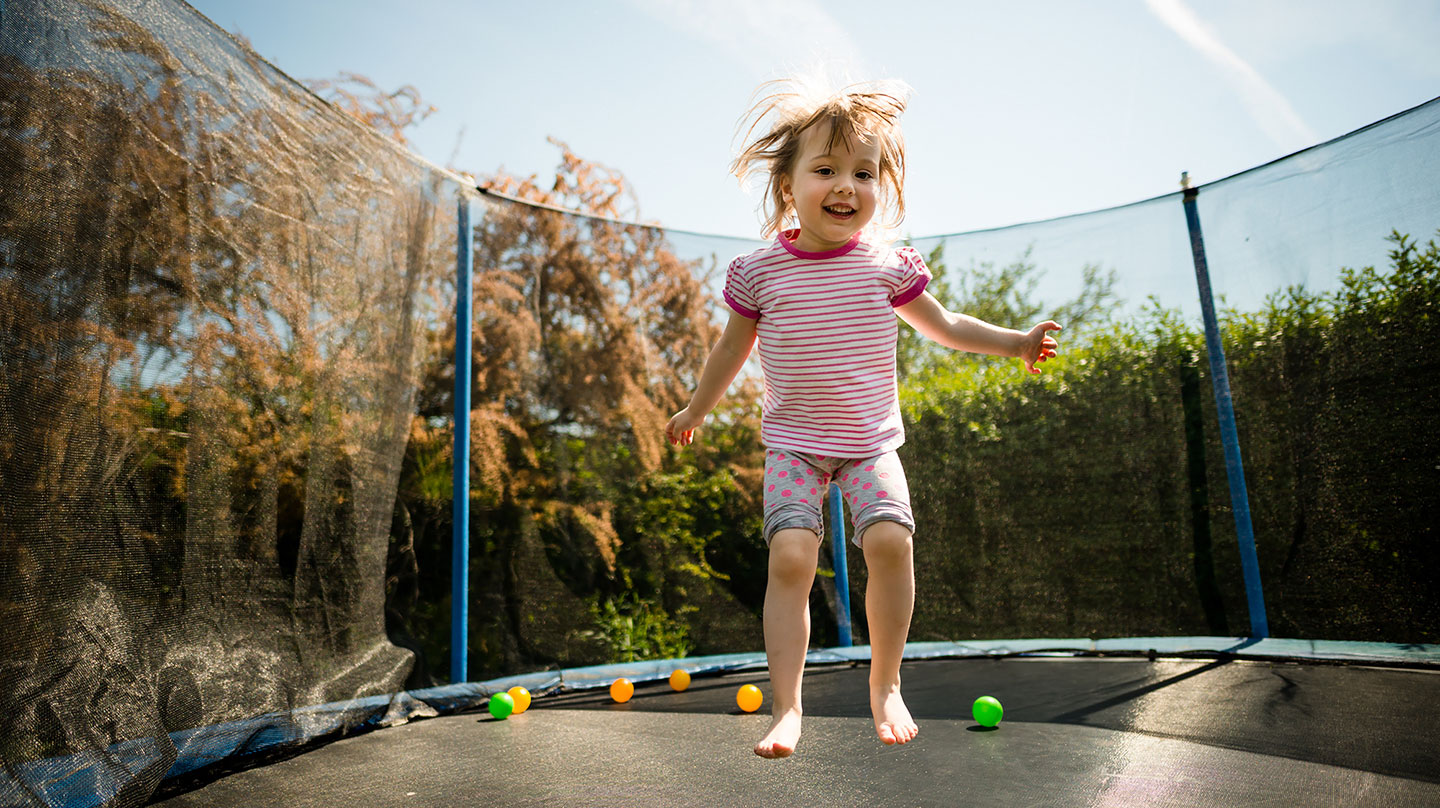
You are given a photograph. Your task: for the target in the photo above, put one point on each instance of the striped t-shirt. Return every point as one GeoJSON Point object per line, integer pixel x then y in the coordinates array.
{"type": "Point", "coordinates": [827, 332]}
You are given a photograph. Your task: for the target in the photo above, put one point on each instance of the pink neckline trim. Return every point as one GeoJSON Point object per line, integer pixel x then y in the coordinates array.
{"type": "Point", "coordinates": [786, 241]}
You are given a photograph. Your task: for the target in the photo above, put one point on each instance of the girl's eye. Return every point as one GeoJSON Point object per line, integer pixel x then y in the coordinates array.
{"type": "Point", "coordinates": [824, 172]}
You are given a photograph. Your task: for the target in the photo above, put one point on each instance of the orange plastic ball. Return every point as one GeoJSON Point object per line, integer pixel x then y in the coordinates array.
{"type": "Point", "coordinates": [621, 690]}
{"type": "Point", "coordinates": [749, 698]}
{"type": "Point", "coordinates": [679, 680]}
{"type": "Point", "coordinates": [521, 697]}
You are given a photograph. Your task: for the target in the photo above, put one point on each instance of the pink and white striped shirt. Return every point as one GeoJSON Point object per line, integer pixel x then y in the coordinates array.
{"type": "Point", "coordinates": [827, 332]}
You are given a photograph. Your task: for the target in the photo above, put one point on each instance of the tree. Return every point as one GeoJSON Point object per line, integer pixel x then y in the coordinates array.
{"type": "Point", "coordinates": [390, 113]}
{"type": "Point", "coordinates": [1006, 296]}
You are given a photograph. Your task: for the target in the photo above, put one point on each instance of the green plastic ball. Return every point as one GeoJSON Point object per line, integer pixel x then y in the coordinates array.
{"type": "Point", "coordinates": [987, 711]}
{"type": "Point", "coordinates": [501, 705]}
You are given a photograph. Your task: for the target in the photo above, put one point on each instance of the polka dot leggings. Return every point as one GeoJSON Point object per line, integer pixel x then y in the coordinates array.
{"type": "Point", "coordinates": [796, 483]}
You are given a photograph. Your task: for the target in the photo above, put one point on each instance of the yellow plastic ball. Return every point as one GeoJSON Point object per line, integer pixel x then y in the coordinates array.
{"type": "Point", "coordinates": [679, 680]}
{"type": "Point", "coordinates": [621, 690]}
{"type": "Point", "coordinates": [521, 697]}
{"type": "Point", "coordinates": [749, 698]}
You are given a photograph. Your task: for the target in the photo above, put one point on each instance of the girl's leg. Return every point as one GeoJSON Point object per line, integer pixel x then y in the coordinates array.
{"type": "Point", "coordinates": [889, 602]}
{"type": "Point", "coordinates": [794, 554]}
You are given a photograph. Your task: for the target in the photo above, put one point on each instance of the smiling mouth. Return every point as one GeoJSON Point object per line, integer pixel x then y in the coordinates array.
{"type": "Point", "coordinates": [840, 211]}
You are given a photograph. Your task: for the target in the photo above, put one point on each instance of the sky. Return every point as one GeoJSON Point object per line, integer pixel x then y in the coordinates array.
{"type": "Point", "coordinates": [1022, 110]}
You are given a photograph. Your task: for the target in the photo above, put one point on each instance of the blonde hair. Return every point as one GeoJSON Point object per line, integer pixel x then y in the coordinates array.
{"type": "Point", "coordinates": [869, 111]}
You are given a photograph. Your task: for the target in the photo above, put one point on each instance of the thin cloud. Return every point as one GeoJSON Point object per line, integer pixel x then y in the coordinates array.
{"type": "Point", "coordinates": [770, 38]}
{"type": "Point", "coordinates": [1276, 118]}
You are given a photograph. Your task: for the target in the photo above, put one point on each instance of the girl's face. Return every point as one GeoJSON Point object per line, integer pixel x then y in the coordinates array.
{"type": "Point", "coordinates": [832, 190]}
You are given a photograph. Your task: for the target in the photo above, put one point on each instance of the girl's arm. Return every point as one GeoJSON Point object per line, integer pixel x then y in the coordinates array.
{"type": "Point", "coordinates": [726, 359]}
{"type": "Point", "coordinates": [965, 333]}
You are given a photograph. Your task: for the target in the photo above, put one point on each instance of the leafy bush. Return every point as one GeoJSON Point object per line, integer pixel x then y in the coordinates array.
{"type": "Point", "coordinates": [633, 629]}
{"type": "Point", "coordinates": [1094, 500]}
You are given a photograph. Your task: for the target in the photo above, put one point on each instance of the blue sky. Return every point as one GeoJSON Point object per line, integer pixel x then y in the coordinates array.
{"type": "Point", "coordinates": [1023, 110]}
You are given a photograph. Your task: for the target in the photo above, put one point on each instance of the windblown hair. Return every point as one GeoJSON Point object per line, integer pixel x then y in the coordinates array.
{"type": "Point", "coordinates": [868, 112]}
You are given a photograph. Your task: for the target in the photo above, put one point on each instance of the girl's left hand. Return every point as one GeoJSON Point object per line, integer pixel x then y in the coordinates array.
{"type": "Point", "coordinates": [1037, 346]}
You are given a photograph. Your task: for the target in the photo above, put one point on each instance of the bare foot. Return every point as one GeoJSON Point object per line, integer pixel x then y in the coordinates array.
{"type": "Point", "coordinates": [784, 733]}
{"type": "Point", "coordinates": [892, 719]}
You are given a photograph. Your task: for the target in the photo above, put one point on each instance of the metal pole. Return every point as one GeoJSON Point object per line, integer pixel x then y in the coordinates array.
{"type": "Point", "coordinates": [842, 571]}
{"type": "Point", "coordinates": [460, 509]}
{"type": "Point", "coordinates": [1225, 411]}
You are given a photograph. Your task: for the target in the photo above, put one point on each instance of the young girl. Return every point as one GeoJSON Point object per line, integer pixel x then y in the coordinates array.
{"type": "Point", "coordinates": [822, 299]}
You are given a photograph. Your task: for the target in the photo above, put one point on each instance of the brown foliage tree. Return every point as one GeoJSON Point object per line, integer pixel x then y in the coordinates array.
{"type": "Point", "coordinates": [209, 330]}
{"type": "Point", "coordinates": [586, 331]}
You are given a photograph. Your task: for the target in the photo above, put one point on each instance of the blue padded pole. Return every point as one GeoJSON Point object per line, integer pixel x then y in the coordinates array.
{"type": "Point", "coordinates": [842, 571]}
{"type": "Point", "coordinates": [460, 509]}
{"type": "Point", "coordinates": [1225, 410]}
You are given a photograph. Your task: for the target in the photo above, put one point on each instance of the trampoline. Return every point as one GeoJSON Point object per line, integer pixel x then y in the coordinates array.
{"type": "Point", "coordinates": [1078, 730]}
{"type": "Point", "coordinates": [235, 551]}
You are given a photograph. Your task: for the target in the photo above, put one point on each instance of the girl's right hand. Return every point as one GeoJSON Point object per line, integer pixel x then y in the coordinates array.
{"type": "Point", "coordinates": [681, 429]}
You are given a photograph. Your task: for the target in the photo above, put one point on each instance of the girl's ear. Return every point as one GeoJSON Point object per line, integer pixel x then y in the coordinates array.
{"type": "Point", "coordinates": [785, 190]}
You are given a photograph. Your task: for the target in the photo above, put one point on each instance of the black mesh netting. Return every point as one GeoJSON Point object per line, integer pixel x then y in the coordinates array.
{"type": "Point", "coordinates": [1096, 503]}
{"type": "Point", "coordinates": [214, 292]}
{"type": "Point", "coordinates": [226, 323]}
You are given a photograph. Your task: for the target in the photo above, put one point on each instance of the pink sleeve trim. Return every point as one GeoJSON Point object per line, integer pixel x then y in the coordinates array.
{"type": "Point", "coordinates": [739, 309]}
{"type": "Point", "coordinates": [909, 294]}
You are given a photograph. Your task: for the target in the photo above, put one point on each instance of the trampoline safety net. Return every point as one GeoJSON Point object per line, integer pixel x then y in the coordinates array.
{"type": "Point", "coordinates": [227, 324]}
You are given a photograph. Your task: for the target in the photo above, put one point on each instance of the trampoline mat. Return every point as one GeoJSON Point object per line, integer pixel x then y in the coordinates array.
{"type": "Point", "coordinates": [1076, 732]}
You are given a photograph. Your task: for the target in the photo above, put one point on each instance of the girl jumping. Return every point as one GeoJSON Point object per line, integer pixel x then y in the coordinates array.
{"type": "Point", "coordinates": [821, 299]}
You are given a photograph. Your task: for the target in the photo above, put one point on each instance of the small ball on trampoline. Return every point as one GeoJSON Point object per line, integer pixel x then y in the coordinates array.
{"type": "Point", "coordinates": [987, 711]}
{"type": "Point", "coordinates": [679, 680]}
{"type": "Point", "coordinates": [749, 698]}
{"type": "Point", "coordinates": [621, 690]}
{"type": "Point", "coordinates": [521, 697]}
{"type": "Point", "coordinates": [501, 705]}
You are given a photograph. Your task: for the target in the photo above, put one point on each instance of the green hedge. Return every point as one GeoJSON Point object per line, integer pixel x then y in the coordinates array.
{"type": "Point", "coordinates": [1093, 500]}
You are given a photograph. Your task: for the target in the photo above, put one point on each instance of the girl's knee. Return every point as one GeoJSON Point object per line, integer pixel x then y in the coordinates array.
{"type": "Point", "coordinates": [887, 541]}
{"type": "Point", "coordinates": [794, 555]}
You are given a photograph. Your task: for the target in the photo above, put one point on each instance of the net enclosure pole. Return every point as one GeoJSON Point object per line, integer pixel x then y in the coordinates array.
{"type": "Point", "coordinates": [460, 508]}
{"type": "Point", "coordinates": [842, 570]}
{"type": "Point", "coordinates": [1225, 412]}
